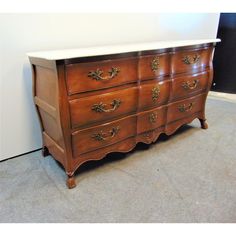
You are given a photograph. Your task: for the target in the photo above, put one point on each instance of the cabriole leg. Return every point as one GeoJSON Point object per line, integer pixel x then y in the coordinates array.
{"type": "Point", "coordinates": [204, 124]}
{"type": "Point", "coordinates": [45, 151]}
{"type": "Point", "coordinates": [71, 181]}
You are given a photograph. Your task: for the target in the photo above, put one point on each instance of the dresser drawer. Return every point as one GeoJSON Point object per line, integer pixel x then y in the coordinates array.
{"type": "Point", "coordinates": [152, 119]}
{"type": "Point", "coordinates": [186, 86]}
{"type": "Point", "coordinates": [153, 93]}
{"type": "Point", "coordinates": [154, 66]}
{"type": "Point", "coordinates": [103, 107]}
{"type": "Point", "coordinates": [82, 77]}
{"type": "Point", "coordinates": [100, 136]}
{"type": "Point", "coordinates": [191, 61]}
{"type": "Point", "coordinates": [185, 108]}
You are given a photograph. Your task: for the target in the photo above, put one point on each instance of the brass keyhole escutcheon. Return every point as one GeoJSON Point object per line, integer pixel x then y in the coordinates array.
{"type": "Point", "coordinates": [155, 93]}
{"type": "Point", "coordinates": [153, 117]}
{"type": "Point", "coordinates": [155, 64]}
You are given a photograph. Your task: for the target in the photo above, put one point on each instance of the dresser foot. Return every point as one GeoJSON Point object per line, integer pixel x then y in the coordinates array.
{"type": "Point", "coordinates": [70, 182]}
{"type": "Point", "coordinates": [204, 124]}
{"type": "Point", "coordinates": [45, 151]}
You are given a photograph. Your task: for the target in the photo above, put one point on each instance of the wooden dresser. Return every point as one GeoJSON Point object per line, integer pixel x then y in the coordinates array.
{"type": "Point", "coordinates": [93, 101]}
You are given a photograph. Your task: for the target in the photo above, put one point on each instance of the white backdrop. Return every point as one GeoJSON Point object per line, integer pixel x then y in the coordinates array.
{"type": "Point", "coordinates": [21, 33]}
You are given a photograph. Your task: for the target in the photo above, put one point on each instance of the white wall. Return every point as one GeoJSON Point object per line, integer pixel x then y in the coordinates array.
{"type": "Point", "coordinates": [21, 33]}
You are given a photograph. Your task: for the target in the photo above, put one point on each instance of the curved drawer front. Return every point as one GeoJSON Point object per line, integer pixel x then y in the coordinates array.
{"type": "Point", "coordinates": [103, 107]}
{"type": "Point", "coordinates": [185, 108]}
{"type": "Point", "coordinates": [190, 61]}
{"type": "Point", "coordinates": [103, 135]}
{"type": "Point", "coordinates": [186, 86]}
{"type": "Point", "coordinates": [82, 77]}
{"type": "Point", "coordinates": [153, 94]}
{"type": "Point", "coordinates": [152, 119]}
{"type": "Point", "coordinates": [154, 66]}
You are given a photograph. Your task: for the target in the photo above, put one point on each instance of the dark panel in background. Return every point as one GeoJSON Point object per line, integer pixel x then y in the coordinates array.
{"type": "Point", "coordinates": [225, 55]}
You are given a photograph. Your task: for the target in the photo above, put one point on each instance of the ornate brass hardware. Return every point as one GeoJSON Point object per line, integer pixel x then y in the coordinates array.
{"type": "Point", "coordinates": [153, 117]}
{"type": "Point", "coordinates": [191, 59]}
{"type": "Point", "coordinates": [184, 108]}
{"type": "Point", "coordinates": [155, 93]}
{"type": "Point", "coordinates": [101, 107]}
{"type": "Point", "coordinates": [155, 64]}
{"type": "Point", "coordinates": [190, 85]}
{"type": "Point", "coordinates": [100, 136]}
{"type": "Point", "coordinates": [97, 74]}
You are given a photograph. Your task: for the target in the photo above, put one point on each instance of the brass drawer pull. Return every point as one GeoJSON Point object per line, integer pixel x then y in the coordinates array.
{"type": "Point", "coordinates": [155, 93]}
{"type": "Point", "coordinates": [100, 136]}
{"type": "Point", "coordinates": [153, 117]}
{"type": "Point", "coordinates": [191, 59]}
{"type": "Point", "coordinates": [155, 64]}
{"type": "Point", "coordinates": [101, 107]}
{"type": "Point", "coordinates": [97, 74]}
{"type": "Point", "coordinates": [184, 108]}
{"type": "Point", "coordinates": [190, 85]}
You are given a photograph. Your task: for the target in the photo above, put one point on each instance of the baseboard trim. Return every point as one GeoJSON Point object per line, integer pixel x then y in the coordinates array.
{"type": "Point", "coordinates": [9, 158]}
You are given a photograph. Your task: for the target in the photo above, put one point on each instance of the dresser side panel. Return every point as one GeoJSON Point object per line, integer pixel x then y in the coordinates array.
{"type": "Point", "coordinates": [46, 99]}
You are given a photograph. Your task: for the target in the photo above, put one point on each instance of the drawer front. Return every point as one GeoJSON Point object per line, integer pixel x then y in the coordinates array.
{"type": "Point", "coordinates": [185, 108]}
{"type": "Point", "coordinates": [100, 136]}
{"type": "Point", "coordinates": [103, 107]}
{"type": "Point", "coordinates": [154, 66]}
{"type": "Point", "coordinates": [191, 61]}
{"type": "Point", "coordinates": [153, 94]}
{"type": "Point", "coordinates": [82, 77]}
{"type": "Point", "coordinates": [153, 119]}
{"type": "Point", "coordinates": [186, 86]}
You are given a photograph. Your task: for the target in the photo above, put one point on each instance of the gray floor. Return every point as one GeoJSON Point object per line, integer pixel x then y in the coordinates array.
{"type": "Point", "coordinates": [187, 177]}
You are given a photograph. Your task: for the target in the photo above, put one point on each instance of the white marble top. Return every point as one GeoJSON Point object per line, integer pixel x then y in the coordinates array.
{"type": "Point", "coordinates": [114, 49]}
